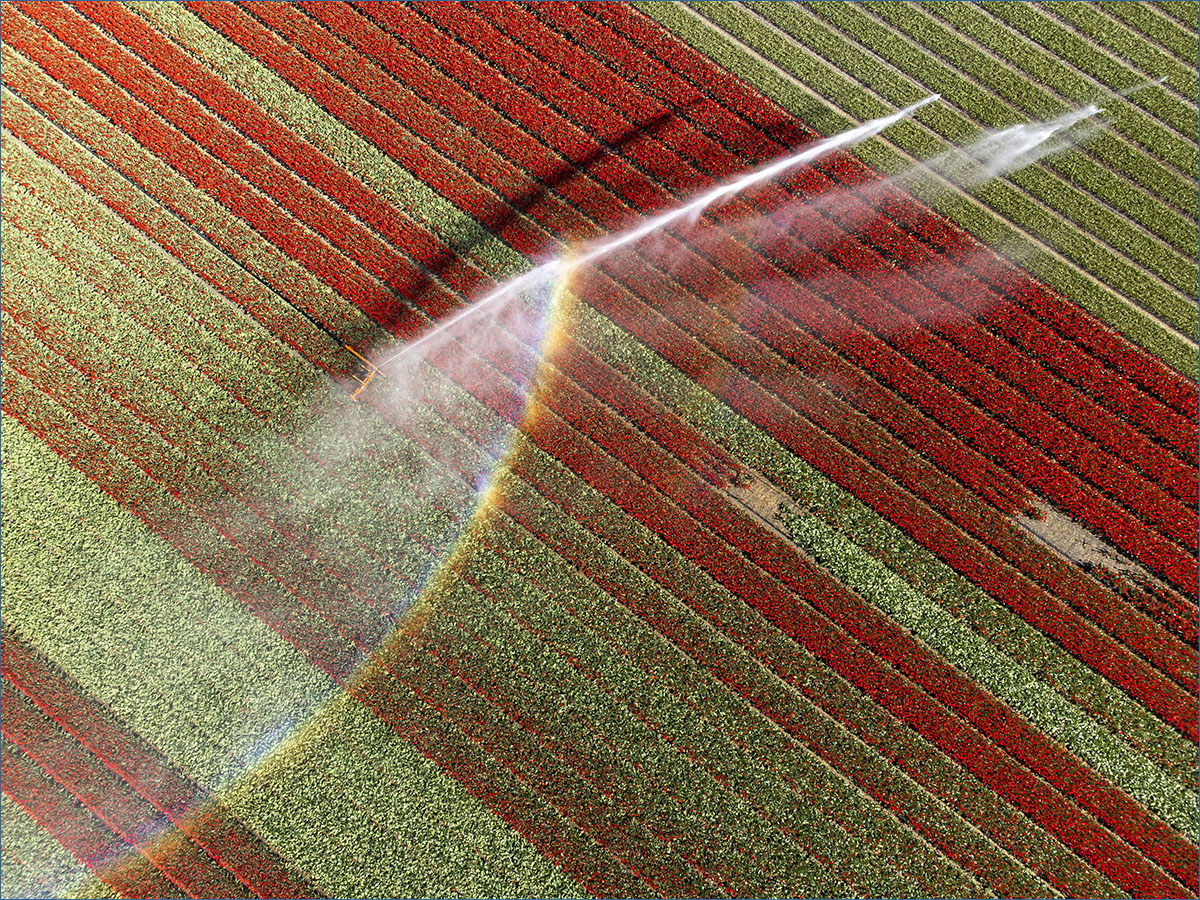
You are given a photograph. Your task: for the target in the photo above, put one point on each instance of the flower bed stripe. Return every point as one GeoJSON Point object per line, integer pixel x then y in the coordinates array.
{"type": "Point", "coordinates": [385, 793]}
{"type": "Point", "coordinates": [1139, 284]}
{"type": "Point", "coordinates": [1007, 681]}
{"type": "Point", "coordinates": [194, 207]}
{"type": "Point", "coordinates": [528, 35]}
{"type": "Point", "coordinates": [42, 867]}
{"type": "Point", "coordinates": [348, 107]}
{"type": "Point", "coordinates": [245, 805]}
{"type": "Point", "coordinates": [480, 659]}
{"type": "Point", "coordinates": [149, 773]}
{"type": "Point", "coordinates": [400, 13]}
{"type": "Point", "coordinates": [109, 798]}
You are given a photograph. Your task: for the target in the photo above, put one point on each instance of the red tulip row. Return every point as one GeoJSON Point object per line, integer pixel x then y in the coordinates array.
{"type": "Point", "coordinates": [1039, 400]}
{"type": "Point", "coordinates": [569, 759]}
{"type": "Point", "coordinates": [296, 156]}
{"type": "Point", "coordinates": [111, 800]}
{"type": "Point", "coordinates": [1174, 612]}
{"type": "Point", "coordinates": [901, 329]}
{"type": "Point", "coordinates": [226, 840]}
{"type": "Point", "coordinates": [176, 147]}
{"type": "Point", "coordinates": [725, 108]}
{"type": "Point", "coordinates": [403, 13]}
{"type": "Point", "coordinates": [78, 829]}
{"type": "Point", "coordinates": [421, 705]}
{"type": "Point", "coordinates": [655, 158]}
{"type": "Point", "coordinates": [414, 74]}
{"type": "Point", "coordinates": [646, 413]}
{"type": "Point", "coordinates": [1064, 318]}
{"type": "Point", "coordinates": [386, 133]}
{"type": "Point", "coordinates": [708, 737]}
{"type": "Point", "coordinates": [802, 722]}
{"type": "Point", "coordinates": [534, 126]}
{"type": "Point", "coordinates": [842, 651]}
{"type": "Point", "coordinates": [954, 278]}
{"type": "Point", "coordinates": [910, 513]}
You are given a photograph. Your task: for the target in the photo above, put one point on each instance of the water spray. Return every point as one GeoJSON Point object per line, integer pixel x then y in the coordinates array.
{"type": "Point", "coordinates": [560, 266]}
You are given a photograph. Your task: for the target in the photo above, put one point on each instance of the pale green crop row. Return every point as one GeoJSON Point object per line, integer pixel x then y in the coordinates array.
{"type": "Point", "coordinates": [1151, 210]}
{"type": "Point", "coordinates": [33, 864]}
{"type": "Point", "coordinates": [1171, 24]}
{"type": "Point", "coordinates": [1048, 71]}
{"type": "Point", "coordinates": [853, 729]}
{"type": "Point", "coordinates": [186, 666]}
{"type": "Point", "coordinates": [1128, 43]}
{"type": "Point", "coordinates": [1026, 19]}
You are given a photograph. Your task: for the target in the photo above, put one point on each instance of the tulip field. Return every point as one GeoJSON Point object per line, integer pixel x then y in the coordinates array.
{"type": "Point", "coordinates": [838, 541]}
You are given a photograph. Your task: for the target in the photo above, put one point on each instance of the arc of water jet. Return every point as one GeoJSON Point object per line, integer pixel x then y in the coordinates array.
{"type": "Point", "coordinates": [590, 252]}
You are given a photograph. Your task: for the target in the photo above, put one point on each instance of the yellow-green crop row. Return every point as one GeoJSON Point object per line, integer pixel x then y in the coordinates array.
{"type": "Point", "coordinates": [1094, 171]}
{"type": "Point", "coordinates": [655, 673]}
{"type": "Point", "coordinates": [201, 678]}
{"type": "Point", "coordinates": [1150, 60]}
{"type": "Point", "coordinates": [1169, 23]}
{"type": "Point", "coordinates": [402, 189]}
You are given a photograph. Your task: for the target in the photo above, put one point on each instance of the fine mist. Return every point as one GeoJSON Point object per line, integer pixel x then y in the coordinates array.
{"type": "Point", "coordinates": [351, 504]}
